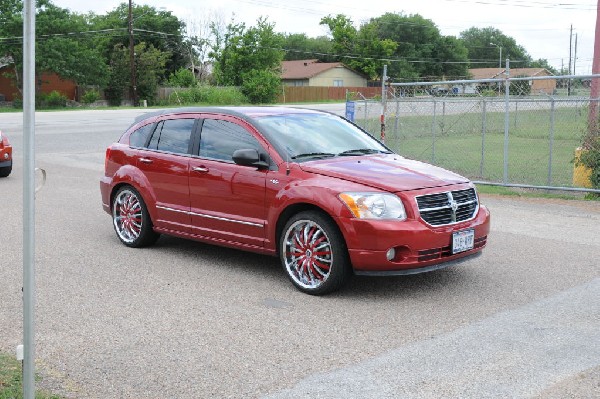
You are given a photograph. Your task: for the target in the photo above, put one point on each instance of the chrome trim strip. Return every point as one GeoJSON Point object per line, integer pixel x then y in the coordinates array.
{"type": "Point", "coordinates": [202, 215]}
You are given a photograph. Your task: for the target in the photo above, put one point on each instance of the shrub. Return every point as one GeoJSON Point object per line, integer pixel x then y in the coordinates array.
{"type": "Point", "coordinates": [261, 86]}
{"type": "Point", "coordinates": [590, 158]}
{"type": "Point", "coordinates": [210, 95]}
{"type": "Point", "coordinates": [182, 78]}
{"type": "Point", "coordinates": [53, 100]}
{"type": "Point", "coordinates": [90, 96]}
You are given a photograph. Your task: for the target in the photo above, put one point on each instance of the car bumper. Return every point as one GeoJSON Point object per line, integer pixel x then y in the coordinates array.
{"type": "Point", "coordinates": [419, 247]}
{"type": "Point", "coordinates": [4, 164]}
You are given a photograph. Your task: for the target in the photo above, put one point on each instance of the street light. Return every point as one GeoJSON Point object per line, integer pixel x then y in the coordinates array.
{"type": "Point", "coordinates": [499, 58]}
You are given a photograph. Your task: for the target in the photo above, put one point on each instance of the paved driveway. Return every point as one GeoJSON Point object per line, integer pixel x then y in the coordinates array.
{"type": "Point", "coordinates": [188, 320]}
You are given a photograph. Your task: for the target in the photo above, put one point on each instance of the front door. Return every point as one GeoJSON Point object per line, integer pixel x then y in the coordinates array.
{"type": "Point", "coordinates": [227, 200]}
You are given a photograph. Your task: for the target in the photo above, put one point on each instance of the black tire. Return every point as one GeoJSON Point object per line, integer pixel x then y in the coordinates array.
{"type": "Point", "coordinates": [313, 253]}
{"type": "Point", "coordinates": [5, 171]}
{"type": "Point", "coordinates": [131, 219]}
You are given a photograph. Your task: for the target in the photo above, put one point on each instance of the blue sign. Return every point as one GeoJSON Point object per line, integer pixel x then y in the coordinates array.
{"type": "Point", "coordinates": [350, 110]}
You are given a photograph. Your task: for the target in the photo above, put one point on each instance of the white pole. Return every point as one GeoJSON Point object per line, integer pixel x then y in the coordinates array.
{"type": "Point", "coordinates": [29, 199]}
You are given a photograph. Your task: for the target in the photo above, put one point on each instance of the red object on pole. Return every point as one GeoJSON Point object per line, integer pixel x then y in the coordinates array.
{"type": "Point", "coordinates": [595, 92]}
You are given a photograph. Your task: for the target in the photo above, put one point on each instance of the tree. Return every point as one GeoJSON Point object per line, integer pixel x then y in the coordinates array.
{"type": "Point", "coordinates": [484, 46]}
{"type": "Point", "coordinates": [239, 51]}
{"type": "Point", "coordinates": [161, 30]}
{"type": "Point", "coordinates": [58, 49]}
{"type": "Point", "coordinates": [422, 50]}
{"type": "Point", "coordinates": [150, 66]}
{"type": "Point", "coordinates": [298, 46]}
{"type": "Point", "coordinates": [361, 50]}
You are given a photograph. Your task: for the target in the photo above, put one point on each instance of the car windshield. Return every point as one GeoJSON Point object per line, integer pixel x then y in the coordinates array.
{"type": "Point", "coordinates": [311, 136]}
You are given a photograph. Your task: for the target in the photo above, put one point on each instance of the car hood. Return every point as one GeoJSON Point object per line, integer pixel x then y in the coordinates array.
{"type": "Point", "coordinates": [391, 172]}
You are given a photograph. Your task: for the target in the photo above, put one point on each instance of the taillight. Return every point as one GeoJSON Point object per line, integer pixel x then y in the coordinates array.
{"type": "Point", "coordinates": [106, 159]}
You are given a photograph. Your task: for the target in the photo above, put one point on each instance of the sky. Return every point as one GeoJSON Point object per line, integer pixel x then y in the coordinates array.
{"type": "Point", "coordinates": [542, 27]}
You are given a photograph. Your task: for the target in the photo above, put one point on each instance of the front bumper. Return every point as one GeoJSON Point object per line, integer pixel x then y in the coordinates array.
{"type": "Point", "coordinates": [419, 247]}
{"type": "Point", "coordinates": [4, 164]}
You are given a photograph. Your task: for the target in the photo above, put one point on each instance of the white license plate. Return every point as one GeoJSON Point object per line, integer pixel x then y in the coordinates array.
{"type": "Point", "coordinates": [462, 241]}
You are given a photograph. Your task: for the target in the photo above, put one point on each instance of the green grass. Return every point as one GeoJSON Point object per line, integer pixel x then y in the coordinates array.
{"type": "Point", "coordinates": [458, 143]}
{"type": "Point", "coordinates": [11, 380]}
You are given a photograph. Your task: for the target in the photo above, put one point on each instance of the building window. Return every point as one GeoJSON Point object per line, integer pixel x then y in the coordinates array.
{"type": "Point", "coordinates": [338, 83]}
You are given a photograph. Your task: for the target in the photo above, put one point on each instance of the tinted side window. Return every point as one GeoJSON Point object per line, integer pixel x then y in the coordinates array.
{"type": "Point", "coordinates": [139, 138]}
{"type": "Point", "coordinates": [173, 135]}
{"type": "Point", "coordinates": [220, 139]}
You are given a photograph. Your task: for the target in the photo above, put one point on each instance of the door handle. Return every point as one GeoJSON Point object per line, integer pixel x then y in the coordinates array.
{"type": "Point", "coordinates": [145, 160]}
{"type": "Point", "coordinates": [200, 169]}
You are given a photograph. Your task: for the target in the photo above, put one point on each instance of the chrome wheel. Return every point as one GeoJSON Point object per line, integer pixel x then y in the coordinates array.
{"type": "Point", "coordinates": [127, 216]}
{"type": "Point", "coordinates": [308, 254]}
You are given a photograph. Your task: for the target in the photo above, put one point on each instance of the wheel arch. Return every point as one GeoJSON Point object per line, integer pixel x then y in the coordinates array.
{"type": "Point", "coordinates": [294, 209]}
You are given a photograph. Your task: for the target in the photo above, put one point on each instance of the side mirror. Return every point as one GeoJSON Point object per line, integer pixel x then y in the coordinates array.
{"type": "Point", "coordinates": [249, 157]}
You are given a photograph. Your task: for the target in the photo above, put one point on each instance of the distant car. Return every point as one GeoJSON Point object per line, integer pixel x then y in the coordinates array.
{"type": "Point", "coordinates": [5, 156]}
{"type": "Point", "coordinates": [307, 186]}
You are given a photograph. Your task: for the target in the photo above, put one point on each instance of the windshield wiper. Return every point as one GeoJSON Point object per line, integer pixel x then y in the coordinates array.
{"type": "Point", "coordinates": [363, 151]}
{"type": "Point", "coordinates": [314, 155]}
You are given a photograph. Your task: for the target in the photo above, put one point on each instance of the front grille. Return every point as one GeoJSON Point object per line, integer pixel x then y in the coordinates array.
{"type": "Point", "coordinates": [449, 207]}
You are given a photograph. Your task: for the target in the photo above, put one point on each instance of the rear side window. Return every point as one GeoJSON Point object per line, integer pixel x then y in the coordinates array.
{"type": "Point", "coordinates": [220, 139]}
{"type": "Point", "coordinates": [173, 135]}
{"type": "Point", "coordinates": [139, 138]}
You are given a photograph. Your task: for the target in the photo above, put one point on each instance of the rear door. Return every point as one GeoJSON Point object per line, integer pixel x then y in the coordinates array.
{"type": "Point", "coordinates": [227, 200]}
{"type": "Point", "coordinates": [165, 163]}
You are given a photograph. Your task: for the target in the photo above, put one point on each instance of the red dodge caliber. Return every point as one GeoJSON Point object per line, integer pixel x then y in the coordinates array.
{"type": "Point", "coordinates": [307, 186]}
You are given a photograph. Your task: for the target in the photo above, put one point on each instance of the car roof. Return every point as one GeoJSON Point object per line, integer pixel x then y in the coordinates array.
{"type": "Point", "coordinates": [242, 112]}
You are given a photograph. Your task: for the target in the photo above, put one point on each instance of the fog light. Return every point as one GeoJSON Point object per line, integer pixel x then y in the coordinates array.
{"type": "Point", "coordinates": [6, 156]}
{"type": "Point", "coordinates": [391, 254]}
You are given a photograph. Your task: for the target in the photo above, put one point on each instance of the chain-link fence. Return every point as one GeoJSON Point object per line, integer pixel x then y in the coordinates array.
{"type": "Point", "coordinates": [524, 135]}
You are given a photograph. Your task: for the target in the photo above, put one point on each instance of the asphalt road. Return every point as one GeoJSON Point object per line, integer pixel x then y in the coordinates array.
{"type": "Point", "coordinates": [188, 320]}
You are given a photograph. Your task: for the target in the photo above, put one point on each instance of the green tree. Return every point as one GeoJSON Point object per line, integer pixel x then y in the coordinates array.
{"type": "Point", "coordinates": [422, 50]}
{"type": "Point", "coordinates": [160, 29]}
{"type": "Point", "coordinates": [298, 46]}
{"type": "Point", "coordinates": [149, 65]}
{"type": "Point", "coordinates": [361, 50]}
{"type": "Point", "coordinates": [239, 51]}
{"type": "Point", "coordinates": [58, 49]}
{"type": "Point", "coordinates": [484, 46]}
{"type": "Point", "coordinates": [182, 78]}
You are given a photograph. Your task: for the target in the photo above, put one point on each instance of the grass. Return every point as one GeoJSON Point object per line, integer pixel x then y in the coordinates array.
{"type": "Point", "coordinates": [11, 386]}
{"type": "Point", "coordinates": [458, 144]}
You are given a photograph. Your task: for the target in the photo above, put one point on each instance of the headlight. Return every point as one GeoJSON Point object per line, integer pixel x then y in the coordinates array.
{"type": "Point", "coordinates": [374, 205]}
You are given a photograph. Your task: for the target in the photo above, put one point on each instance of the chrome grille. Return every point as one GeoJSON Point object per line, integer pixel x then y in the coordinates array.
{"type": "Point", "coordinates": [449, 207]}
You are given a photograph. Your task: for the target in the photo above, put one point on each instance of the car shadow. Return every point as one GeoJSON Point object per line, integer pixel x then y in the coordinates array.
{"type": "Point", "coordinates": [255, 265]}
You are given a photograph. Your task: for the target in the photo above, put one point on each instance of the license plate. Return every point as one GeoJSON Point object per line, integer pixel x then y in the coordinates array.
{"type": "Point", "coordinates": [462, 241]}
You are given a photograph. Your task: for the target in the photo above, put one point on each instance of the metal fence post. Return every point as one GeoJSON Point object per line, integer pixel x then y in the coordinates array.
{"type": "Point", "coordinates": [506, 119]}
{"type": "Point", "coordinates": [552, 112]}
{"type": "Point", "coordinates": [483, 129]}
{"type": "Point", "coordinates": [433, 132]}
{"type": "Point", "coordinates": [396, 121]}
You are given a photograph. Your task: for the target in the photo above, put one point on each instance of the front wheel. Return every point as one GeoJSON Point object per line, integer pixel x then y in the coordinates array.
{"type": "Point", "coordinates": [131, 220]}
{"type": "Point", "coordinates": [313, 253]}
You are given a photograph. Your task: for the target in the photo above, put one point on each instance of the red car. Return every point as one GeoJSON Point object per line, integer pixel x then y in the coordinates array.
{"type": "Point", "coordinates": [307, 186]}
{"type": "Point", "coordinates": [5, 156]}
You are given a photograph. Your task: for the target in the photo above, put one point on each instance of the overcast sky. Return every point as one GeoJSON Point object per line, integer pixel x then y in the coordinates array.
{"type": "Point", "coordinates": [541, 26]}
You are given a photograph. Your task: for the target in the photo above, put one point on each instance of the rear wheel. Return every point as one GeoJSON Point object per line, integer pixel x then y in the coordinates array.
{"type": "Point", "coordinates": [313, 253]}
{"type": "Point", "coordinates": [5, 171]}
{"type": "Point", "coordinates": [131, 220]}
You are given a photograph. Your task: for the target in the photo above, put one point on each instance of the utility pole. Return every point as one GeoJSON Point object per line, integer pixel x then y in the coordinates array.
{"type": "Point", "coordinates": [575, 56]}
{"type": "Point", "coordinates": [133, 91]}
{"type": "Point", "coordinates": [570, 59]}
